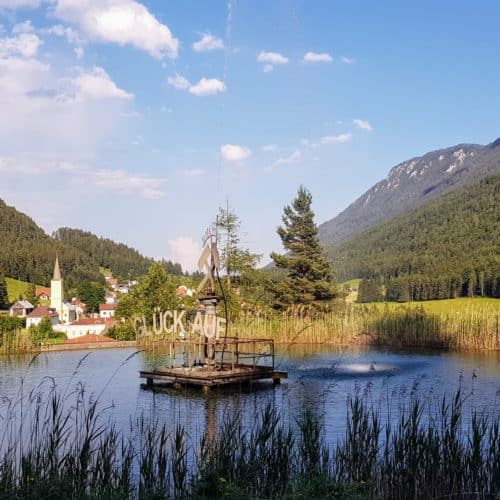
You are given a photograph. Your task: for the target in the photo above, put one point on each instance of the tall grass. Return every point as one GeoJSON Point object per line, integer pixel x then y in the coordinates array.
{"type": "Point", "coordinates": [65, 447]}
{"type": "Point", "coordinates": [468, 327]}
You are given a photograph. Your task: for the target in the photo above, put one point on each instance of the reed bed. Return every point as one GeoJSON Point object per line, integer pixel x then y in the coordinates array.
{"type": "Point", "coordinates": [57, 445]}
{"type": "Point", "coordinates": [473, 327]}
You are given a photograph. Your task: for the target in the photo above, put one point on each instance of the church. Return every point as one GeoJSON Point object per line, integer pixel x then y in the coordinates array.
{"type": "Point", "coordinates": [67, 312]}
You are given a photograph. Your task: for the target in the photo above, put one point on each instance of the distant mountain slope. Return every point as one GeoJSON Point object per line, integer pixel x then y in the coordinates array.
{"type": "Point", "coordinates": [27, 253]}
{"type": "Point", "coordinates": [411, 184]}
{"type": "Point", "coordinates": [446, 248]}
{"type": "Point", "coordinates": [122, 260]}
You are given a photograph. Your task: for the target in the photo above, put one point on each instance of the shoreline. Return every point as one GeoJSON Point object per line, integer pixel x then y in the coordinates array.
{"type": "Point", "coordinates": [121, 344]}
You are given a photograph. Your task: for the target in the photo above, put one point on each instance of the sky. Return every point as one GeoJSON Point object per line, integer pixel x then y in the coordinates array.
{"type": "Point", "coordinates": [136, 120]}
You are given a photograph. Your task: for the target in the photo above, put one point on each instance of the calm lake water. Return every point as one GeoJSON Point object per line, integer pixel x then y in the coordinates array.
{"type": "Point", "coordinates": [320, 377]}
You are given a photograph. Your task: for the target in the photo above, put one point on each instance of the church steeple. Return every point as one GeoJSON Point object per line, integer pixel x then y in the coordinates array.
{"type": "Point", "coordinates": [57, 292]}
{"type": "Point", "coordinates": [57, 271]}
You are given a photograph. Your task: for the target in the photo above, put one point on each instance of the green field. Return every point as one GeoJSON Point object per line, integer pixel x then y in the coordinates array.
{"type": "Point", "coordinates": [16, 288]}
{"type": "Point", "coordinates": [446, 306]}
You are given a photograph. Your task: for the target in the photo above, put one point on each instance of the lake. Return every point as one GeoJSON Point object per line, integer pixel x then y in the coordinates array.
{"type": "Point", "coordinates": [320, 378]}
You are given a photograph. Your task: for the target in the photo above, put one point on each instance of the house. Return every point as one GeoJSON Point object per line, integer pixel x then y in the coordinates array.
{"type": "Point", "coordinates": [35, 317]}
{"type": "Point", "coordinates": [43, 293]}
{"type": "Point", "coordinates": [79, 306]}
{"type": "Point", "coordinates": [122, 287]}
{"type": "Point", "coordinates": [21, 308]}
{"type": "Point", "coordinates": [86, 326]}
{"type": "Point", "coordinates": [111, 297]}
{"type": "Point", "coordinates": [111, 282]}
{"type": "Point", "coordinates": [107, 310]}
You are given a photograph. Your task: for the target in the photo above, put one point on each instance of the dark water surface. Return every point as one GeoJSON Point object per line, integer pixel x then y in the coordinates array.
{"type": "Point", "coordinates": [320, 378]}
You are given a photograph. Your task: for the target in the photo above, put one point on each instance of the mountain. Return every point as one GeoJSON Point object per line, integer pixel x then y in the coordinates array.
{"type": "Point", "coordinates": [27, 253]}
{"type": "Point", "coordinates": [411, 184]}
{"type": "Point", "coordinates": [121, 259]}
{"type": "Point", "coordinates": [445, 248]}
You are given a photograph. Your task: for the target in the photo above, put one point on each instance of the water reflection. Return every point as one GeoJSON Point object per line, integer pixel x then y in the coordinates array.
{"type": "Point", "coordinates": [321, 378]}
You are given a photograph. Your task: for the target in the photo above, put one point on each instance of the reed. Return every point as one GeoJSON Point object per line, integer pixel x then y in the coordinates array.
{"type": "Point", "coordinates": [473, 326]}
{"type": "Point", "coordinates": [65, 447]}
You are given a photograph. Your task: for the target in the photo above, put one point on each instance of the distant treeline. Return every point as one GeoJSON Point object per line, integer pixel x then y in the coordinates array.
{"type": "Point", "coordinates": [122, 260]}
{"type": "Point", "coordinates": [27, 253]}
{"type": "Point", "coordinates": [447, 248]}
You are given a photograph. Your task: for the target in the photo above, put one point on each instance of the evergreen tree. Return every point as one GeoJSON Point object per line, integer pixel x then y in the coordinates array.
{"type": "Point", "coordinates": [4, 296]}
{"type": "Point", "coordinates": [235, 260]}
{"type": "Point", "coordinates": [310, 277]}
{"type": "Point", "coordinates": [31, 294]}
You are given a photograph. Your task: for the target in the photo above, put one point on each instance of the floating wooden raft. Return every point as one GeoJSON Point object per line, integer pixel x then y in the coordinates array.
{"type": "Point", "coordinates": [243, 365]}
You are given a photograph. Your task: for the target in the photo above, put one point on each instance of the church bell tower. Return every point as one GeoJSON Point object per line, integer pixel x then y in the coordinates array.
{"type": "Point", "coordinates": [56, 290]}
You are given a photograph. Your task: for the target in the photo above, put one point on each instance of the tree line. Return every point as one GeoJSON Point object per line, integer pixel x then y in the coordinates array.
{"type": "Point", "coordinates": [448, 248]}
{"type": "Point", "coordinates": [27, 253]}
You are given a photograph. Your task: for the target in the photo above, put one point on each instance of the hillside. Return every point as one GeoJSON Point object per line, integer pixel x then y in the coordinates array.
{"type": "Point", "coordinates": [119, 258]}
{"type": "Point", "coordinates": [411, 184]}
{"type": "Point", "coordinates": [27, 253]}
{"type": "Point", "coordinates": [446, 248]}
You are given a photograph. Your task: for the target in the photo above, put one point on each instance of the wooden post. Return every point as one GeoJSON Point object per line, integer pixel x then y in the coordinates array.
{"type": "Point", "coordinates": [205, 389]}
{"type": "Point", "coordinates": [149, 382]}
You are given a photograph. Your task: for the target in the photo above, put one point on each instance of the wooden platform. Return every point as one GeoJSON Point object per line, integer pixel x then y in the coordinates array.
{"type": "Point", "coordinates": [209, 376]}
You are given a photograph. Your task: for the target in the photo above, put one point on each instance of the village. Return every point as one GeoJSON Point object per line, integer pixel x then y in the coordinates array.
{"type": "Point", "coordinates": [70, 317]}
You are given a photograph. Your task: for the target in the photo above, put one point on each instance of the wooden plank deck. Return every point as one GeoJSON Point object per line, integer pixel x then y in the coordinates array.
{"type": "Point", "coordinates": [211, 376]}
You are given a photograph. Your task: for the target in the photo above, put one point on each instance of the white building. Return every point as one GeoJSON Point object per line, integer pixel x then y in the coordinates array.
{"type": "Point", "coordinates": [107, 310]}
{"type": "Point", "coordinates": [85, 326]}
{"type": "Point", "coordinates": [35, 317]}
{"type": "Point", "coordinates": [66, 311]}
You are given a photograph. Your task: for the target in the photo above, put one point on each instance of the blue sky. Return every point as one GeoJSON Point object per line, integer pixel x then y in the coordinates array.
{"type": "Point", "coordinates": [136, 120]}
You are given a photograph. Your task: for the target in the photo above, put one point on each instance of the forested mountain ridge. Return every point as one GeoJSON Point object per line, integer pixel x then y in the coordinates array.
{"type": "Point", "coordinates": [411, 184]}
{"type": "Point", "coordinates": [124, 261]}
{"type": "Point", "coordinates": [444, 249]}
{"type": "Point", "coordinates": [27, 253]}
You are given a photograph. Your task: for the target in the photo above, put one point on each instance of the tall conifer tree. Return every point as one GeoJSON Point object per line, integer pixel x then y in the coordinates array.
{"type": "Point", "coordinates": [310, 278]}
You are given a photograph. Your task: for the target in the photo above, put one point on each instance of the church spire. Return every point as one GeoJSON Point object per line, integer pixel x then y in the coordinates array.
{"type": "Point", "coordinates": [57, 271]}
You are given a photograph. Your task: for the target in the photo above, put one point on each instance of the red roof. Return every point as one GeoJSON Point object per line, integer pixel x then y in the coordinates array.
{"type": "Point", "coordinates": [42, 312]}
{"type": "Point", "coordinates": [107, 307]}
{"type": "Point", "coordinates": [90, 338]}
{"type": "Point", "coordinates": [42, 290]}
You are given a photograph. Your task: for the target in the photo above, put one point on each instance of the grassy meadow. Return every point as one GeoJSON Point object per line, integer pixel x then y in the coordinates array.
{"type": "Point", "coordinates": [16, 288]}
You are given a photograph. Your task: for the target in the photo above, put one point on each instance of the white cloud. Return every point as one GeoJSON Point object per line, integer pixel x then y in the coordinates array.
{"type": "Point", "coordinates": [363, 124]}
{"type": "Point", "coordinates": [97, 84]}
{"type": "Point", "coordinates": [269, 148]}
{"type": "Point", "coordinates": [233, 152]}
{"type": "Point", "coordinates": [71, 35]}
{"type": "Point", "coordinates": [24, 27]}
{"type": "Point", "coordinates": [115, 180]}
{"type": "Point", "coordinates": [156, 151]}
{"type": "Point", "coordinates": [24, 45]}
{"type": "Point", "coordinates": [267, 68]}
{"type": "Point", "coordinates": [79, 52]}
{"type": "Point", "coordinates": [313, 57]}
{"type": "Point", "coordinates": [193, 172]}
{"type": "Point", "coordinates": [336, 139]}
{"type": "Point", "coordinates": [292, 158]}
{"type": "Point", "coordinates": [207, 86]}
{"type": "Point", "coordinates": [186, 251]}
{"type": "Point", "coordinates": [178, 82]}
{"type": "Point", "coordinates": [272, 58]}
{"type": "Point", "coordinates": [347, 60]}
{"type": "Point", "coordinates": [124, 22]}
{"type": "Point", "coordinates": [207, 43]}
